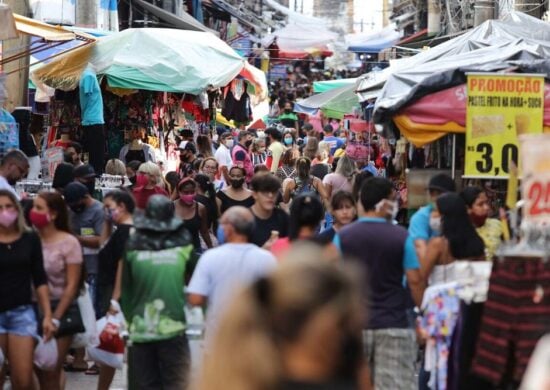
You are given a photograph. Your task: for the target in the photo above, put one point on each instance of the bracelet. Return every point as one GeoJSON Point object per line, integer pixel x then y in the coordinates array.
{"type": "Point", "coordinates": [56, 322]}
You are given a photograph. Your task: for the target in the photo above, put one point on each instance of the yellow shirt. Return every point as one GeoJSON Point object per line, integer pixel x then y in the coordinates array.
{"type": "Point", "coordinates": [491, 234]}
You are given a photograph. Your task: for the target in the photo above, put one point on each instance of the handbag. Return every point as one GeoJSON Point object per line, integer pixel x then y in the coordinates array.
{"type": "Point", "coordinates": [71, 323]}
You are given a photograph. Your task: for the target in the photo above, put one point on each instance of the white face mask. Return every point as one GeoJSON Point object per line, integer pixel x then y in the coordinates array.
{"type": "Point", "coordinates": [435, 224]}
{"type": "Point", "coordinates": [260, 134]}
{"type": "Point", "coordinates": [229, 143]}
{"type": "Point", "coordinates": [215, 138]}
{"type": "Point", "coordinates": [389, 207]}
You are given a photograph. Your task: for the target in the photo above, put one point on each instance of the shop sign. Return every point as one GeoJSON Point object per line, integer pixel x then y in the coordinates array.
{"type": "Point", "coordinates": [500, 107]}
{"type": "Point", "coordinates": [52, 158]}
{"type": "Point", "coordinates": [535, 186]}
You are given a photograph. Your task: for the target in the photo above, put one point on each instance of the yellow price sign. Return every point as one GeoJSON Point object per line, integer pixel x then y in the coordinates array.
{"type": "Point", "coordinates": [500, 108]}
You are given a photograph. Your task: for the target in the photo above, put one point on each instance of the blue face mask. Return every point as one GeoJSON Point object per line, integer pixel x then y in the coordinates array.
{"type": "Point", "coordinates": [220, 235]}
{"type": "Point", "coordinates": [288, 141]}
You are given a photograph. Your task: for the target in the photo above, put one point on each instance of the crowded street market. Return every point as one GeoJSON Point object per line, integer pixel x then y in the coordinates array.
{"type": "Point", "coordinates": [262, 195]}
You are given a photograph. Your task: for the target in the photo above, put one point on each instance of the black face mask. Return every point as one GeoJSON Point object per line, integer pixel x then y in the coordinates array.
{"type": "Point", "coordinates": [12, 181]}
{"type": "Point", "coordinates": [91, 186]}
{"type": "Point", "coordinates": [237, 183]}
{"type": "Point", "coordinates": [133, 180]}
{"type": "Point", "coordinates": [78, 208]}
{"type": "Point", "coordinates": [248, 143]}
{"type": "Point", "coordinates": [288, 110]}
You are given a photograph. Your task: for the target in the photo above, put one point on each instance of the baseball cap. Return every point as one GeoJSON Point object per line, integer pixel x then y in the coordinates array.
{"type": "Point", "coordinates": [74, 192]}
{"type": "Point", "coordinates": [187, 145]}
{"type": "Point", "coordinates": [442, 182]}
{"type": "Point", "coordinates": [84, 171]}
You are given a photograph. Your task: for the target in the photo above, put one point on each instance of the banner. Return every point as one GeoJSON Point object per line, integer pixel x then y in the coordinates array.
{"type": "Point", "coordinates": [535, 186]}
{"type": "Point", "coordinates": [500, 107]}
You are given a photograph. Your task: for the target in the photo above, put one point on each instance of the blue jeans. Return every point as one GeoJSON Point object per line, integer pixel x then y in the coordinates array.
{"type": "Point", "coordinates": [20, 321]}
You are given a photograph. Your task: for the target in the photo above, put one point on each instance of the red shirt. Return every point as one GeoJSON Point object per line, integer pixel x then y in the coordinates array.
{"type": "Point", "coordinates": [142, 195]}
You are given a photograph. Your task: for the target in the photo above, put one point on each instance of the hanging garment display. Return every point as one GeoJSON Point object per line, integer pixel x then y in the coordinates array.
{"type": "Point", "coordinates": [237, 110]}
{"type": "Point", "coordinates": [9, 132]}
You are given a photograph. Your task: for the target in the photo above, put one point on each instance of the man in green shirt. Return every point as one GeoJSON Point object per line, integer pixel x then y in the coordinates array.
{"type": "Point", "coordinates": [152, 299]}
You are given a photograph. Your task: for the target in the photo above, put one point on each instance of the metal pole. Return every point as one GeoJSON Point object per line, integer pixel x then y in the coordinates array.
{"type": "Point", "coordinates": [453, 158]}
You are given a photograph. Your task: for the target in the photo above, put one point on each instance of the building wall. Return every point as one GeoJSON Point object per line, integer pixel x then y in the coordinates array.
{"type": "Point", "coordinates": [338, 13]}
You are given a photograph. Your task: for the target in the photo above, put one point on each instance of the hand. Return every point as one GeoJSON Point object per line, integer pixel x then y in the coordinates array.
{"type": "Point", "coordinates": [114, 308]}
{"type": "Point", "coordinates": [48, 328]}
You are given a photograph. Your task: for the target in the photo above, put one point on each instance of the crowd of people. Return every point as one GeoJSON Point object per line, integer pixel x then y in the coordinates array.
{"type": "Point", "coordinates": [289, 243]}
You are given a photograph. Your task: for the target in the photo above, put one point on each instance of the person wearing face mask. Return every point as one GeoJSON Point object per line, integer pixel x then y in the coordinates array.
{"type": "Point", "coordinates": [489, 229]}
{"type": "Point", "coordinates": [21, 273]}
{"type": "Point", "coordinates": [188, 152]}
{"type": "Point", "coordinates": [259, 154]}
{"type": "Point", "coordinates": [387, 253]}
{"type": "Point", "coordinates": [86, 217]}
{"type": "Point", "coordinates": [288, 118]}
{"type": "Point", "coordinates": [13, 168]}
{"type": "Point", "coordinates": [275, 149]}
{"type": "Point", "coordinates": [86, 175]}
{"type": "Point", "coordinates": [193, 214]}
{"type": "Point", "coordinates": [62, 255]}
{"type": "Point", "coordinates": [236, 260]}
{"type": "Point", "coordinates": [147, 184]}
{"type": "Point", "coordinates": [241, 154]}
{"type": "Point", "coordinates": [235, 194]}
{"type": "Point", "coordinates": [223, 155]}
{"type": "Point", "coordinates": [119, 206]}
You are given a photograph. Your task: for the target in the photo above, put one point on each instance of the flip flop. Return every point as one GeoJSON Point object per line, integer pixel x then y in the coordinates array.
{"type": "Point", "coordinates": [93, 370]}
{"type": "Point", "coordinates": [70, 368]}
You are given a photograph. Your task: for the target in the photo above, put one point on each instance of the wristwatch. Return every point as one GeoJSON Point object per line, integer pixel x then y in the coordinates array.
{"type": "Point", "coordinates": [56, 322]}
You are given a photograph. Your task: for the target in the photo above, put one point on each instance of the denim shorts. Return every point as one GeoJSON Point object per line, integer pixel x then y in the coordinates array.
{"type": "Point", "coordinates": [20, 321]}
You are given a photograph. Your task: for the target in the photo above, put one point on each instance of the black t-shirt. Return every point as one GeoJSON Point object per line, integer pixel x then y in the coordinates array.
{"type": "Point", "coordinates": [110, 254]}
{"type": "Point", "coordinates": [278, 221]}
{"type": "Point", "coordinates": [320, 170]}
{"type": "Point", "coordinates": [21, 263]}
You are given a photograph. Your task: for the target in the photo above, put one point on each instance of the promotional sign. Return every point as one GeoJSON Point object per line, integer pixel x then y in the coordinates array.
{"type": "Point", "coordinates": [500, 107]}
{"type": "Point", "coordinates": [52, 158]}
{"type": "Point", "coordinates": [535, 188]}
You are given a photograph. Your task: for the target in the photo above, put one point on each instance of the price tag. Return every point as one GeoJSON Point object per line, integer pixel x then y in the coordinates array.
{"type": "Point", "coordinates": [500, 107]}
{"type": "Point", "coordinates": [536, 177]}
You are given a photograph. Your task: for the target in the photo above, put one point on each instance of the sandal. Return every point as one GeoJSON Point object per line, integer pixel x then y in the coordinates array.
{"type": "Point", "coordinates": [93, 370]}
{"type": "Point", "coordinates": [69, 367]}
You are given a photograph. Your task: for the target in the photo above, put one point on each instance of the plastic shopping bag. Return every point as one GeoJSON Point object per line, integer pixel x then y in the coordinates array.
{"type": "Point", "coordinates": [1, 358]}
{"type": "Point", "coordinates": [90, 337]}
{"type": "Point", "coordinates": [110, 350]}
{"type": "Point", "coordinates": [45, 355]}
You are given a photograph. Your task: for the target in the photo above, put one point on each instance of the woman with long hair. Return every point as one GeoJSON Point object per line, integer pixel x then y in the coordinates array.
{"type": "Point", "coordinates": [235, 194]}
{"type": "Point", "coordinates": [206, 195]}
{"type": "Point", "coordinates": [119, 208]}
{"type": "Point", "coordinates": [489, 229]}
{"type": "Point", "coordinates": [304, 320]}
{"type": "Point", "coordinates": [458, 241]}
{"type": "Point", "coordinates": [21, 268]}
{"type": "Point", "coordinates": [193, 214]}
{"type": "Point", "coordinates": [342, 178]}
{"type": "Point", "coordinates": [343, 211]}
{"type": "Point", "coordinates": [304, 182]}
{"type": "Point", "coordinates": [288, 168]}
{"type": "Point", "coordinates": [204, 146]}
{"type": "Point", "coordinates": [62, 255]}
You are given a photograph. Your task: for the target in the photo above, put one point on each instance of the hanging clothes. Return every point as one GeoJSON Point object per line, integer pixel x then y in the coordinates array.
{"type": "Point", "coordinates": [238, 110]}
{"type": "Point", "coordinates": [516, 314]}
{"type": "Point", "coordinates": [9, 132]}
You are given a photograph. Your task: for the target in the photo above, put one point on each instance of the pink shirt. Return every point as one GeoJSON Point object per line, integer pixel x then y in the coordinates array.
{"type": "Point", "coordinates": [337, 182]}
{"type": "Point", "coordinates": [56, 257]}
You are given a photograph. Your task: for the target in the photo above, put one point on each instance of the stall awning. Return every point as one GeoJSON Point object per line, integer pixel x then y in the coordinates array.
{"type": "Point", "coordinates": [184, 22]}
{"type": "Point", "coordinates": [45, 31]}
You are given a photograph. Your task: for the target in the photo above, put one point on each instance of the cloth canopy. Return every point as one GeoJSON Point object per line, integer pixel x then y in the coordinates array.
{"type": "Point", "coordinates": [372, 42]}
{"type": "Point", "coordinates": [518, 42]}
{"type": "Point", "coordinates": [154, 59]}
{"type": "Point", "coordinates": [334, 103]}
{"type": "Point", "coordinates": [298, 41]}
{"type": "Point", "coordinates": [442, 112]}
{"type": "Point", "coordinates": [324, 86]}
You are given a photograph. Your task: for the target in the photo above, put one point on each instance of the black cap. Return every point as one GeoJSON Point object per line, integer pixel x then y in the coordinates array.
{"type": "Point", "coordinates": [84, 171]}
{"type": "Point", "coordinates": [75, 192]}
{"type": "Point", "coordinates": [188, 145]}
{"type": "Point", "coordinates": [442, 183]}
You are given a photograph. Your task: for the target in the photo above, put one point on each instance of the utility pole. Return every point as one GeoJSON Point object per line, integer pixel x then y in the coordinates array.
{"type": "Point", "coordinates": [16, 83]}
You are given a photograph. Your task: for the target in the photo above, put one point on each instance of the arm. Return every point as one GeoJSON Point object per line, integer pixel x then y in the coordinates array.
{"type": "Point", "coordinates": [320, 187]}
{"type": "Point", "coordinates": [118, 281]}
{"type": "Point", "coordinates": [275, 161]}
{"type": "Point", "coordinates": [40, 282]}
{"type": "Point", "coordinates": [416, 285]}
{"type": "Point", "coordinates": [204, 226]}
{"type": "Point", "coordinates": [43, 297]}
{"type": "Point", "coordinates": [196, 300]}
{"type": "Point", "coordinates": [106, 232]}
{"type": "Point", "coordinates": [434, 249]}
{"type": "Point", "coordinates": [219, 205]}
{"type": "Point", "coordinates": [225, 173]}
{"type": "Point", "coordinates": [289, 187]}
{"type": "Point", "coordinates": [89, 242]}
{"type": "Point", "coordinates": [200, 285]}
{"type": "Point", "coordinates": [70, 291]}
